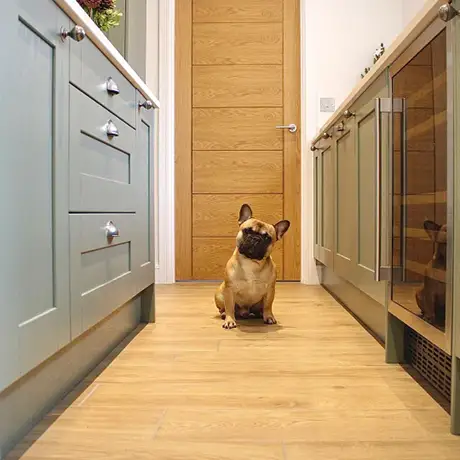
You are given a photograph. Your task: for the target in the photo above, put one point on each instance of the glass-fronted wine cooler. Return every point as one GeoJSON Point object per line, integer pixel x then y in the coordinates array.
{"type": "Point", "coordinates": [420, 288]}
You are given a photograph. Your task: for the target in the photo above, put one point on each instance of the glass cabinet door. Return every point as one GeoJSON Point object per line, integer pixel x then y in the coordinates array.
{"type": "Point", "coordinates": [420, 169]}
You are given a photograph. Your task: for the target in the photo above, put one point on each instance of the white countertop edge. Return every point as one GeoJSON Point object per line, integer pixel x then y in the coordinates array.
{"type": "Point", "coordinates": [79, 17]}
{"type": "Point", "coordinates": [422, 20]}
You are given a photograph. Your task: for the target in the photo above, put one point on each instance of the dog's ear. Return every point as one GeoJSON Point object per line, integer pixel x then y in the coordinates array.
{"type": "Point", "coordinates": [245, 213]}
{"type": "Point", "coordinates": [281, 228]}
{"type": "Point", "coordinates": [432, 229]}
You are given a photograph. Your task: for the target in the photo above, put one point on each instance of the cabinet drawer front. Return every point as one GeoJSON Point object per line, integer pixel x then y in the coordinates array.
{"type": "Point", "coordinates": [90, 71]}
{"type": "Point", "coordinates": [102, 270]}
{"type": "Point", "coordinates": [100, 165]}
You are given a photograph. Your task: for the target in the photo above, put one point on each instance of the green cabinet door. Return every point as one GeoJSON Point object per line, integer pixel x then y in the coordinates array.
{"type": "Point", "coordinates": [324, 202]}
{"type": "Point", "coordinates": [143, 178]}
{"type": "Point", "coordinates": [371, 156]}
{"type": "Point", "coordinates": [345, 203]}
{"type": "Point", "coordinates": [361, 155]}
{"type": "Point", "coordinates": [34, 289]}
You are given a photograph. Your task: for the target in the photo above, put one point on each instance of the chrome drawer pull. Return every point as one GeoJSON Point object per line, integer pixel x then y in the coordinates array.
{"type": "Point", "coordinates": [111, 231]}
{"type": "Point", "coordinates": [112, 87]}
{"type": "Point", "coordinates": [111, 129]}
{"type": "Point", "coordinates": [146, 104]}
{"type": "Point", "coordinates": [77, 33]}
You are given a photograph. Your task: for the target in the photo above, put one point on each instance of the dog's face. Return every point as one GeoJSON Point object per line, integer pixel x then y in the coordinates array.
{"type": "Point", "coordinates": [437, 234]}
{"type": "Point", "coordinates": [256, 239]}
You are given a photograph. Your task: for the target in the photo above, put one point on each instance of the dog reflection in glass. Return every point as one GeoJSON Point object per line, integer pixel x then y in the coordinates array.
{"type": "Point", "coordinates": [431, 297]}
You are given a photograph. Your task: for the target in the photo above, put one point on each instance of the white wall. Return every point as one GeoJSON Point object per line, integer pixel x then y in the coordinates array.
{"type": "Point", "coordinates": [153, 46]}
{"type": "Point", "coordinates": [410, 9]}
{"type": "Point", "coordinates": [341, 38]}
{"type": "Point", "coordinates": [338, 41]}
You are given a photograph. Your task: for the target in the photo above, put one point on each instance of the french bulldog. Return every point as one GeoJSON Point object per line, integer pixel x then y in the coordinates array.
{"type": "Point", "coordinates": [250, 274]}
{"type": "Point", "coordinates": [431, 297]}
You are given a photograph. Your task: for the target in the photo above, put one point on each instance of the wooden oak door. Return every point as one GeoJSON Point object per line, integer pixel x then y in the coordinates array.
{"type": "Point", "coordinates": [237, 79]}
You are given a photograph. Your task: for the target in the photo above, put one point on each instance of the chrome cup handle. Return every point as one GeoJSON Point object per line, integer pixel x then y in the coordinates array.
{"type": "Point", "coordinates": [111, 230]}
{"type": "Point", "coordinates": [112, 87]}
{"type": "Point", "coordinates": [111, 130]}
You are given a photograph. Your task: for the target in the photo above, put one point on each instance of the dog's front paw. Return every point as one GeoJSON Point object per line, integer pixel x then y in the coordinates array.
{"type": "Point", "coordinates": [229, 323]}
{"type": "Point", "coordinates": [269, 319]}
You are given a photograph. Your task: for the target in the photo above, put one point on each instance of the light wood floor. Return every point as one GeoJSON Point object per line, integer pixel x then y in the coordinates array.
{"type": "Point", "coordinates": [315, 387]}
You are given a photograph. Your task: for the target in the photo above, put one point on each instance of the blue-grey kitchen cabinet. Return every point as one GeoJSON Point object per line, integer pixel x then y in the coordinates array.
{"type": "Point", "coordinates": [34, 266]}
{"type": "Point", "coordinates": [76, 159]}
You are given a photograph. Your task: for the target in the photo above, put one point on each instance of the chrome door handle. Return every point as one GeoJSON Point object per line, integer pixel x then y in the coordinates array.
{"type": "Point", "coordinates": [111, 230]}
{"type": "Point", "coordinates": [292, 127]}
{"type": "Point", "coordinates": [112, 87]}
{"type": "Point", "coordinates": [111, 130]}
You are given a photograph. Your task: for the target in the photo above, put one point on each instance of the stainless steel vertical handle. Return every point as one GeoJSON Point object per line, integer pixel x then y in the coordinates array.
{"type": "Point", "coordinates": [378, 188]}
{"type": "Point", "coordinates": [404, 189]}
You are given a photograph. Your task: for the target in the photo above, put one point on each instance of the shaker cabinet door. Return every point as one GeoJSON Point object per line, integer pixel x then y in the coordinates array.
{"type": "Point", "coordinates": [144, 179]}
{"type": "Point", "coordinates": [34, 285]}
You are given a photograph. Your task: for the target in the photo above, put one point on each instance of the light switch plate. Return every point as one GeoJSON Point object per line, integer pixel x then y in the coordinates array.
{"type": "Point", "coordinates": [327, 104]}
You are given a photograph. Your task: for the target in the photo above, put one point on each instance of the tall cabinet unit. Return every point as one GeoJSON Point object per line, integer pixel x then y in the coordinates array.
{"type": "Point", "coordinates": [351, 194]}
{"type": "Point", "coordinates": [34, 267]}
{"type": "Point", "coordinates": [421, 190]}
{"type": "Point", "coordinates": [77, 196]}
{"type": "Point", "coordinates": [395, 218]}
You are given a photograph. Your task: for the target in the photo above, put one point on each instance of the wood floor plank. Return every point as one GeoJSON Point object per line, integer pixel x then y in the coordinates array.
{"type": "Point", "coordinates": [314, 387]}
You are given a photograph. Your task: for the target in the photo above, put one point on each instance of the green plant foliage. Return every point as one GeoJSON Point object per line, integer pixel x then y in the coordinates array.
{"type": "Point", "coordinates": [106, 15]}
{"type": "Point", "coordinates": [107, 19]}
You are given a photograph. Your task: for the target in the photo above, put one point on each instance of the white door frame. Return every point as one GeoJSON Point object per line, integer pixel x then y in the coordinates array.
{"type": "Point", "coordinates": [164, 226]}
{"type": "Point", "coordinates": [165, 272]}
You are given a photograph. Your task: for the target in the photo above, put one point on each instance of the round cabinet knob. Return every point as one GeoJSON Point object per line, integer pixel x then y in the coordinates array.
{"type": "Point", "coordinates": [112, 87]}
{"type": "Point", "coordinates": [147, 104]}
{"type": "Point", "coordinates": [447, 12]}
{"type": "Point", "coordinates": [77, 33]}
{"type": "Point", "coordinates": [111, 230]}
{"type": "Point", "coordinates": [326, 136]}
{"type": "Point", "coordinates": [111, 130]}
{"type": "Point", "coordinates": [348, 114]}
{"type": "Point", "coordinates": [313, 148]}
